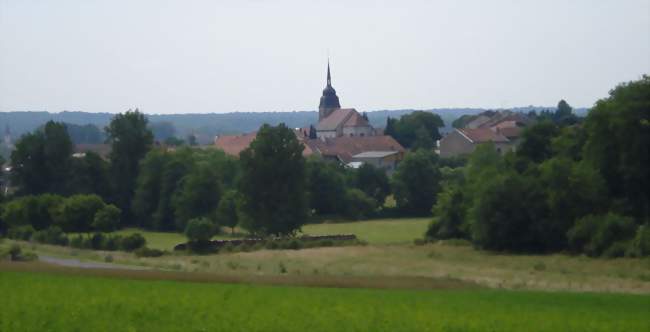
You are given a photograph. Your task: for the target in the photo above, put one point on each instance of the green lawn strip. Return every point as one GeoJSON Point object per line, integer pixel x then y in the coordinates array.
{"type": "Point", "coordinates": [46, 302]}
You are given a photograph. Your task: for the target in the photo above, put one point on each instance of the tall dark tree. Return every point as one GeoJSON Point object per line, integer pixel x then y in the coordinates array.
{"type": "Point", "coordinates": [130, 141]}
{"type": "Point", "coordinates": [227, 213]}
{"type": "Point", "coordinates": [273, 182]}
{"type": "Point", "coordinates": [198, 196]}
{"type": "Point", "coordinates": [417, 182]}
{"type": "Point", "coordinates": [41, 161]}
{"type": "Point", "coordinates": [90, 176]}
{"type": "Point", "coordinates": [536, 142]}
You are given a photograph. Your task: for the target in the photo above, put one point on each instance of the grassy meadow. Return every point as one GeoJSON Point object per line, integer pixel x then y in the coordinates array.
{"type": "Point", "coordinates": [49, 302]}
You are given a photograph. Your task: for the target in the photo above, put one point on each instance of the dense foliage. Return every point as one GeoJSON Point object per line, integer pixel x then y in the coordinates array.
{"type": "Point", "coordinates": [579, 187]}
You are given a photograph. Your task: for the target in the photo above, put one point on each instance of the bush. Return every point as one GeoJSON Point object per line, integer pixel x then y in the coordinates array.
{"type": "Point", "coordinates": [97, 241]}
{"type": "Point", "coordinates": [24, 232]}
{"type": "Point", "coordinates": [77, 212]}
{"type": "Point", "coordinates": [107, 219]}
{"type": "Point", "coordinates": [199, 230]}
{"type": "Point", "coordinates": [77, 242]}
{"type": "Point", "coordinates": [112, 242]}
{"type": "Point", "coordinates": [52, 235]}
{"type": "Point", "coordinates": [594, 234]}
{"type": "Point", "coordinates": [358, 204]}
{"type": "Point", "coordinates": [450, 212]}
{"type": "Point", "coordinates": [640, 245]}
{"type": "Point", "coordinates": [16, 254]}
{"type": "Point", "coordinates": [148, 252]}
{"type": "Point", "coordinates": [132, 242]}
{"type": "Point", "coordinates": [37, 211]}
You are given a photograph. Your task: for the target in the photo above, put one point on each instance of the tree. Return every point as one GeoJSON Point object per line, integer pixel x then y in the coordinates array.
{"type": "Point", "coordinates": [617, 138]}
{"type": "Point", "coordinates": [418, 126]}
{"type": "Point", "coordinates": [89, 175]}
{"type": "Point", "coordinates": [227, 212]}
{"type": "Point", "coordinates": [312, 132]}
{"type": "Point", "coordinates": [41, 161]}
{"type": "Point", "coordinates": [273, 182]}
{"type": "Point", "coordinates": [509, 215]}
{"type": "Point", "coordinates": [199, 231]}
{"type": "Point", "coordinates": [536, 142]}
{"type": "Point", "coordinates": [148, 187]}
{"type": "Point", "coordinates": [423, 140]}
{"type": "Point", "coordinates": [564, 114]}
{"type": "Point", "coordinates": [130, 141]}
{"type": "Point", "coordinates": [107, 219]}
{"type": "Point", "coordinates": [326, 187]}
{"type": "Point", "coordinates": [417, 182]}
{"type": "Point", "coordinates": [450, 212]}
{"type": "Point", "coordinates": [37, 211]}
{"type": "Point", "coordinates": [198, 194]}
{"type": "Point", "coordinates": [373, 182]}
{"type": "Point", "coordinates": [86, 134]}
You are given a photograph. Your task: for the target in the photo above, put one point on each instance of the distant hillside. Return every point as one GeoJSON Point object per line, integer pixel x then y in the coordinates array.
{"type": "Point", "coordinates": [206, 126]}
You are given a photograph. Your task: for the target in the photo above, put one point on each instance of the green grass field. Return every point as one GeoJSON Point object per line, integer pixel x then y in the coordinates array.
{"type": "Point", "coordinates": [379, 231]}
{"type": "Point", "coordinates": [33, 301]}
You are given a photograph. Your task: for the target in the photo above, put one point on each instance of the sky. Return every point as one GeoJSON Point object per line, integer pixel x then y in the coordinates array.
{"type": "Point", "coordinates": [222, 56]}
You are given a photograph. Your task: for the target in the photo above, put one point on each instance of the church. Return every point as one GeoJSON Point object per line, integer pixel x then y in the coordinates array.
{"type": "Point", "coordinates": [334, 121]}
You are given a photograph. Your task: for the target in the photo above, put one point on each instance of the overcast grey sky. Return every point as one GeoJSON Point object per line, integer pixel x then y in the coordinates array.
{"type": "Point", "coordinates": [224, 56]}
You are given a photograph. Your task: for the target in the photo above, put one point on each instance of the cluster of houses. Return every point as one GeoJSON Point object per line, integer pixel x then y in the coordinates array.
{"type": "Point", "coordinates": [345, 136]}
{"type": "Point", "coordinates": [502, 128]}
{"type": "Point", "coordinates": [341, 134]}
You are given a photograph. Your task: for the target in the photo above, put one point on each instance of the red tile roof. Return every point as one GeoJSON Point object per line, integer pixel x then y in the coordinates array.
{"type": "Point", "coordinates": [234, 144]}
{"type": "Point", "coordinates": [510, 132]}
{"type": "Point", "coordinates": [482, 135]}
{"type": "Point", "coordinates": [356, 120]}
{"type": "Point", "coordinates": [345, 147]}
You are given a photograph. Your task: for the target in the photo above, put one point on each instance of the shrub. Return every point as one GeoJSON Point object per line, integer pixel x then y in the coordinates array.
{"type": "Point", "coordinates": [640, 245]}
{"type": "Point", "coordinates": [359, 205]}
{"type": "Point", "coordinates": [112, 242]}
{"type": "Point", "coordinates": [37, 211]}
{"type": "Point", "coordinates": [617, 249]}
{"type": "Point", "coordinates": [52, 235]}
{"type": "Point", "coordinates": [97, 241]}
{"type": "Point", "coordinates": [594, 234]}
{"type": "Point", "coordinates": [148, 252]}
{"type": "Point", "coordinates": [132, 242]}
{"type": "Point", "coordinates": [199, 230]}
{"type": "Point", "coordinates": [77, 242]}
{"type": "Point", "coordinates": [450, 212]}
{"type": "Point", "coordinates": [77, 212]}
{"type": "Point", "coordinates": [16, 254]}
{"type": "Point", "coordinates": [23, 232]}
{"type": "Point", "coordinates": [107, 219]}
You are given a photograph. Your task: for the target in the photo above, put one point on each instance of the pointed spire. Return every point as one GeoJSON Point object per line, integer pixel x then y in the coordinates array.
{"type": "Point", "coordinates": [329, 77]}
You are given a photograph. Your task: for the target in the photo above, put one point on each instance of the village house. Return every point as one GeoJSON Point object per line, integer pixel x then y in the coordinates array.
{"type": "Point", "coordinates": [503, 129]}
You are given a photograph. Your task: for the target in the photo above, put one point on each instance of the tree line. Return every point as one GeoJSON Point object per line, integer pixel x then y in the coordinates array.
{"type": "Point", "coordinates": [578, 186]}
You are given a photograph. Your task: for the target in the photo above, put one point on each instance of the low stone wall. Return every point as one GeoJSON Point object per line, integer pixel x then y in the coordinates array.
{"type": "Point", "coordinates": [216, 244]}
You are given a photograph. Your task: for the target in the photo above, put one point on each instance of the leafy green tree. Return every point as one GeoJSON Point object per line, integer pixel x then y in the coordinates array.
{"type": "Point", "coordinates": [326, 187]}
{"type": "Point", "coordinates": [573, 190]}
{"type": "Point", "coordinates": [200, 230]}
{"type": "Point", "coordinates": [77, 212]}
{"type": "Point", "coordinates": [198, 195]}
{"type": "Point", "coordinates": [107, 219]}
{"type": "Point", "coordinates": [148, 187]}
{"type": "Point", "coordinates": [227, 213]}
{"type": "Point", "coordinates": [273, 182]}
{"type": "Point", "coordinates": [130, 141]}
{"type": "Point", "coordinates": [509, 214]}
{"type": "Point", "coordinates": [594, 234]}
{"type": "Point", "coordinates": [417, 126]}
{"type": "Point", "coordinates": [179, 164]}
{"type": "Point", "coordinates": [373, 182]}
{"type": "Point", "coordinates": [618, 136]}
{"type": "Point", "coordinates": [563, 115]}
{"type": "Point", "coordinates": [41, 161]}
{"type": "Point", "coordinates": [417, 182]}
{"type": "Point", "coordinates": [89, 175]}
{"type": "Point", "coordinates": [536, 142]}
{"type": "Point", "coordinates": [423, 140]}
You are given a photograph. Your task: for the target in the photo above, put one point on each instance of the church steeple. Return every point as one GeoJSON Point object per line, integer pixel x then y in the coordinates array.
{"type": "Point", "coordinates": [329, 101]}
{"type": "Point", "coordinates": [329, 77]}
